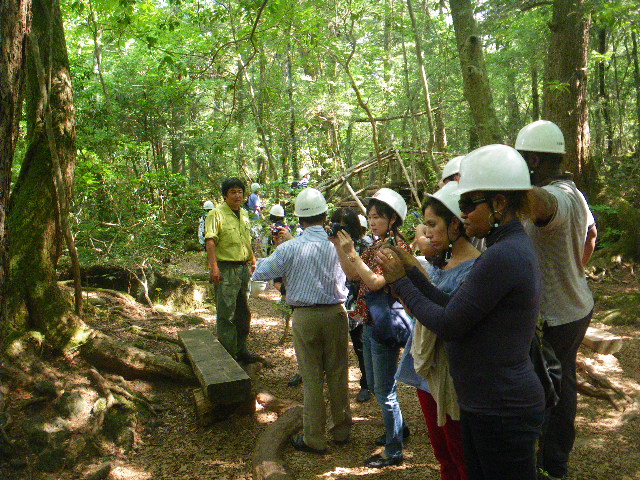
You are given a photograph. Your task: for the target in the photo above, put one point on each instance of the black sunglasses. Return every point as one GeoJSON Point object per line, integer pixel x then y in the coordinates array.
{"type": "Point", "coordinates": [468, 204]}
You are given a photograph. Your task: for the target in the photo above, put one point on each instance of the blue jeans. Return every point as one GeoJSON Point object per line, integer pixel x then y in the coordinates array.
{"type": "Point", "coordinates": [380, 363]}
{"type": "Point", "coordinates": [559, 432]}
{"type": "Point", "coordinates": [500, 447]}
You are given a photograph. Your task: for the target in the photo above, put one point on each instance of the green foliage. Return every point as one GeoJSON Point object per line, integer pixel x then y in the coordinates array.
{"type": "Point", "coordinates": [169, 113]}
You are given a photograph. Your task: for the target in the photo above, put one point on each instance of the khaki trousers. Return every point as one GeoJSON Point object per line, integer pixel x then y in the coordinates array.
{"type": "Point", "coordinates": [320, 338]}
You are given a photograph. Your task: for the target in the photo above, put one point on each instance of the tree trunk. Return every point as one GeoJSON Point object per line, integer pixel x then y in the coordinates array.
{"type": "Point", "coordinates": [477, 90]}
{"type": "Point", "coordinates": [293, 140]}
{"type": "Point", "coordinates": [13, 30]}
{"type": "Point", "coordinates": [423, 81]}
{"type": "Point", "coordinates": [636, 85]}
{"type": "Point", "coordinates": [565, 86]}
{"type": "Point", "coordinates": [535, 94]}
{"type": "Point", "coordinates": [34, 300]}
{"type": "Point", "coordinates": [603, 95]}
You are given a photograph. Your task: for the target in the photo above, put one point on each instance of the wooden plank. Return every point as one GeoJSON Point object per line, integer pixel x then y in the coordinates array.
{"type": "Point", "coordinates": [222, 379]}
{"type": "Point", "coordinates": [207, 412]}
{"type": "Point", "coordinates": [602, 342]}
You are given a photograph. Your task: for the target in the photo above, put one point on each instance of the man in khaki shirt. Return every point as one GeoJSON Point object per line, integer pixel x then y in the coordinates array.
{"type": "Point", "coordinates": [231, 263]}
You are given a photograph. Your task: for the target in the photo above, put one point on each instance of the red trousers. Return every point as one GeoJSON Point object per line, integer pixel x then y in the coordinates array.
{"type": "Point", "coordinates": [446, 440]}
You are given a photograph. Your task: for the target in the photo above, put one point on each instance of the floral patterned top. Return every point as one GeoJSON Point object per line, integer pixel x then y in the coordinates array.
{"type": "Point", "coordinates": [361, 312]}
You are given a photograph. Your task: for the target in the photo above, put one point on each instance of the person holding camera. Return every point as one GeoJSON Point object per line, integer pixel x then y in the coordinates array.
{"type": "Point", "coordinates": [489, 321]}
{"type": "Point", "coordinates": [386, 211]}
{"type": "Point", "coordinates": [348, 220]}
{"type": "Point", "coordinates": [424, 364]}
{"type": "Point", "coordinates": [316, 292]}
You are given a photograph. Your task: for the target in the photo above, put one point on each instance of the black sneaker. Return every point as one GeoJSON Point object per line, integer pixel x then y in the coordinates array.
{"type": "Point", "coordinates": [247, 358]}
{"type": "Point", "coordinates": [298, 443]}
{"type": "Point", "coordinates": [295, 380]}
{"type": "Point", "coordinates": [380, 461]}
{"type": "Point", "coordinates": [363, 395]}
{"type": "Point", "coordinates": [382, 439]}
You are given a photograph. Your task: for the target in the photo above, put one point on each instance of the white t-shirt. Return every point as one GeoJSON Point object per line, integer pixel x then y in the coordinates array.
{"type": "Point", "coordinates": [560, 246]}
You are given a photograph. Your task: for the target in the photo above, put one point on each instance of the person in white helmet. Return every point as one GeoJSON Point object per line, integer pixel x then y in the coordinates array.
{"type": "Point", "coordinates": [386, 211]}
{"type": "Point", "coordinates": [563, 232]}
{"type": "Point", "coordinates": [489, 321]}
{"type": "Point", "coordinates": [450, 172]}
{"type": "Point", "coordinates": [424, 364]}
{"type": "Point", "coordinates": [254, 202]}
{"type": "Point", "coordinates": [305, 175]}
{"type": "Point", "coordinates": [316, 292]}
{"type": "Point", "coordinates": [207, 207]}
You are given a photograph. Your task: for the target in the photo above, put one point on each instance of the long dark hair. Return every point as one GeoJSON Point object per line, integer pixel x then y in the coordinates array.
{"type": "Point", "coordinates": [349, 218]}
{"type": "Point", "coordinates": [386, 211]}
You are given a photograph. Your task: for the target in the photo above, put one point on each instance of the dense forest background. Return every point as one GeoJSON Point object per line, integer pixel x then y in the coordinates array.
{"type": "Point", "coordinates": [119, 118]}
{"type": "Point", "coordinates": [172, 96]}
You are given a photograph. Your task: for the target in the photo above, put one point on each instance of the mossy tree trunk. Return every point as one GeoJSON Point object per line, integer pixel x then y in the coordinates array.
{"type": "Point", "coordinates": [477, 90]}
{"type": "Point", "coordinates": [34, 301]}
{"type": "Point", "coordinates": [13, 31]}
{"type": "Point", "coordinates": [565, 86]}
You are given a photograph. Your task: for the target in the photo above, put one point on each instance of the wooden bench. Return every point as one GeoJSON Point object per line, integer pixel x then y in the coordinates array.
{"type": "Point", "coordinates": [602, 342]}
{"type": "Point", "coordinates": [226, 387]}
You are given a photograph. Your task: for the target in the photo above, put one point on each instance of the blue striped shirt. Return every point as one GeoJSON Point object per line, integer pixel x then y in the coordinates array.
{"type": "Point", "coordinates": [310, 267]}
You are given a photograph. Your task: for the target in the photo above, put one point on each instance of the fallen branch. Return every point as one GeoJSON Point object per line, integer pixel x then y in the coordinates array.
{"type": "Point", "coordinates": [267, 456]}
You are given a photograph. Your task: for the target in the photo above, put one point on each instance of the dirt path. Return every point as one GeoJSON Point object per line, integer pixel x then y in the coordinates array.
{"type": "Point", "coordinates": [172, 446]}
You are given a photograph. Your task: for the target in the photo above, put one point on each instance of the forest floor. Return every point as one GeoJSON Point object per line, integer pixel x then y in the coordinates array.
{"type": "Point", "coordinates": [171, 445]}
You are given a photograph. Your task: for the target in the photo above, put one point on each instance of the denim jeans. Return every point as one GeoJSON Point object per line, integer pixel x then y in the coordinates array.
{"type": "Point", "coordinates": [500, 447]}
{"type": "Point", "coordinates": [558, 431]}
{"type": "Point", "coordinates": [380, 364]}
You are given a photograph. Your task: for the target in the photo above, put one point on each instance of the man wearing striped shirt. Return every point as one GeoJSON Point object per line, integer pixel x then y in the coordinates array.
{"type": "Point", "coordinates": [316, 291]}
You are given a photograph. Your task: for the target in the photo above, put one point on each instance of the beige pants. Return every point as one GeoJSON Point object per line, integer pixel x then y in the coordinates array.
{"type": "Point", "coordinates": [320, 337]}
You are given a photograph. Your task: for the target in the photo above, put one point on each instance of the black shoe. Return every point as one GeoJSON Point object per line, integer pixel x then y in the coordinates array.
{"type": "Point", "coordinates": [342, 442]}
{"type": "Point", "coordinates": [382, 439]}
{"type": "Point", "coordinates": [298, 443]}
{"type": "Point", "coordinates": [247, 358]}
{"type": "Point", "coordinates": [379, 461]}
{"type": "Point", "coordinates": [363, 395]}
{"type": "Point", "coordinates": [295, 380]}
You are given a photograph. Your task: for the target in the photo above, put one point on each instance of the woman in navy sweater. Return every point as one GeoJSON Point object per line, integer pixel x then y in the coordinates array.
{"type": "Point", "coordinates": [488, 323]}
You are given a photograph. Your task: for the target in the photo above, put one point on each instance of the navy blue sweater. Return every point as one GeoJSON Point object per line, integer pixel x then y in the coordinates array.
{"type": "Point", "coordinates": [488, 324]}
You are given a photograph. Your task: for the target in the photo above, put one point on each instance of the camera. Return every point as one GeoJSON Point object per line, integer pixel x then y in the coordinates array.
{"type": "Point", "coordinates": [334, 228]}
{"type": "Point", "coordinates": [276, 228]}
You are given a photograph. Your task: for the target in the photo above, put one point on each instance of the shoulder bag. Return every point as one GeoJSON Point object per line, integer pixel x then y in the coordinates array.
{"type": "Point", "coordinates": [391, 324]}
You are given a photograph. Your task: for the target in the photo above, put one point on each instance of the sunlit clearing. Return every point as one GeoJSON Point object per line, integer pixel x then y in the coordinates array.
{"type": "Point", "coordinates": [122, 473]}
{"type": "Point", "coordinates": [198, 296]}
{"type": "Point", "coordinates": [265, 416]}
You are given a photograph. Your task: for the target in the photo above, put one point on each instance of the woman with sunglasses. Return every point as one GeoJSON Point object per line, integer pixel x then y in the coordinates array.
{"type": "Point", "coordinates": [451, 258]}
{"type": "Point", "coordinates": [488, 323]}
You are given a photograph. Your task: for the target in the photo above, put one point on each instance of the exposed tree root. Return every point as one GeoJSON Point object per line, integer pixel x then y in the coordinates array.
{"type": "Point", "coordinates": [109, 354]}
{"type": "Point", "coordinates": [599, 386]}
{"type": "Point", "coordinates": [267, 456]}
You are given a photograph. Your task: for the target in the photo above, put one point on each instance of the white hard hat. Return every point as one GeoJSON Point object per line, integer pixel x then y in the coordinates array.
{"type": "Point", "coordinates": [304, 171]}
{"type": "Point", "coordinates": [208, 205]}
{"type": "Point", "coordinates": [540, 136]}
{"type": "Point", "coordinates": [452, 167]}
{"type": "Point", "coordinates": [391, 198]}
{"type": "Point", "coordinates": [363, 221]}
{"type": "Point", "coordinates": [255, 187]}
{"type": "Point", "coordinates": [309, 203]}
{"type": "Point", "coordinates": [448, 195]}
{"type": "Point", "coordinates": [493, 167]}
{"type": "Point", "coordinates": [277, 211]}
